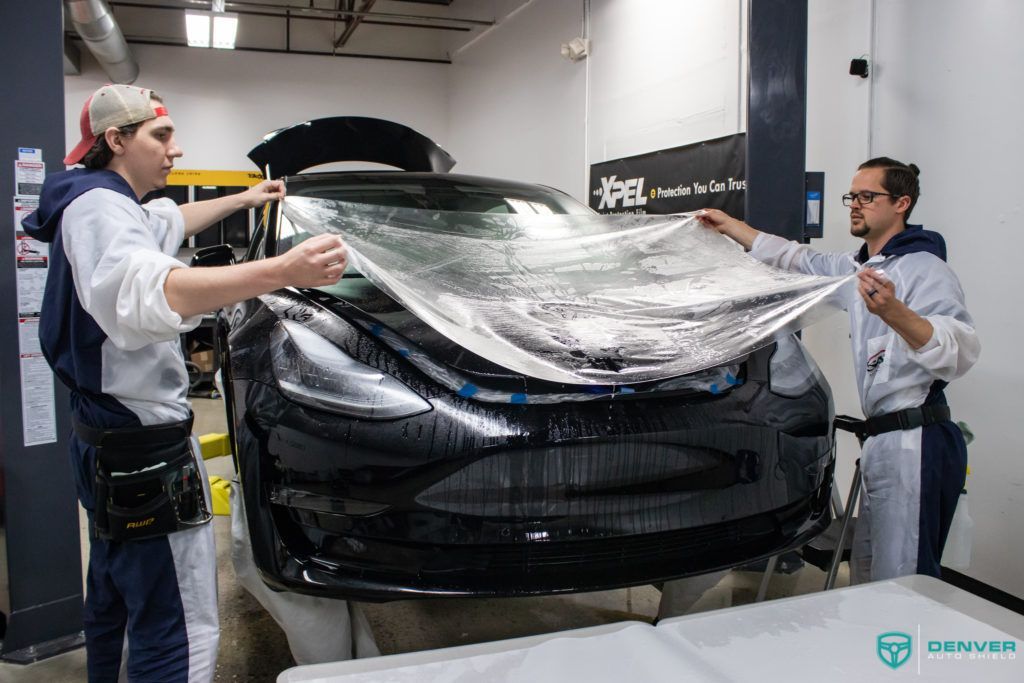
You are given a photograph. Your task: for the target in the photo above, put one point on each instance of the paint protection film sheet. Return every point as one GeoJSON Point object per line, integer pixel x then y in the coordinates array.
{"type": "Point", "coordinates": [579, 299]}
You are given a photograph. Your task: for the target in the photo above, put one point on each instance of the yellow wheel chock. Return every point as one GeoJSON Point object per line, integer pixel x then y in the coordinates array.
{"type": "Point", "coordinates": [220, 492]}
{"type": "Point", "coordinates": [214, 445]}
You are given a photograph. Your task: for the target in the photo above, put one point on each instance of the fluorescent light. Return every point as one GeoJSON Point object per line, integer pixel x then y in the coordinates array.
{"type": "Point", "coordinates": [225, 25]}
{"type": "Point", "coordinates": [198, 25]}
{"type": "Point", "coordinates": [525, 206]}
{"type": "Point", "coordinates": [197, 28]}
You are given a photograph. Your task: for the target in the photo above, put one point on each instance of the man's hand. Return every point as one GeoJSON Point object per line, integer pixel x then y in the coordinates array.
{"type": "Point", "coordinates": [729, 226]}
{"type": "Point", "coordinates": [316, 262]}
{"type": "Point", "coordinates": [201, 215]}
{"type": "Point", "coordinates": [879, 294]}
{"type": "Point", "coordinates": [261, 193]}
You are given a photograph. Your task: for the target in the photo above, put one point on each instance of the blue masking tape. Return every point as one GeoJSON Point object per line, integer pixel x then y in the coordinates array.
{"type": "Point", "coordinates": [518, 398]}
{"type": "Point", "coordinates": [468, 390]}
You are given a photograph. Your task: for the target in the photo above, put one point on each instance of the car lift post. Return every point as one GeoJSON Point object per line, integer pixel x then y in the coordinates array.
{"type": "Point", "coordinates": [40, 551]}
{"type": "Point", "coordinates": [777, 116]}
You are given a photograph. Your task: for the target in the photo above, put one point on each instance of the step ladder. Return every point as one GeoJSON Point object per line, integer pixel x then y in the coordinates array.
{"type": "Point", "coordinates": [822, 550]}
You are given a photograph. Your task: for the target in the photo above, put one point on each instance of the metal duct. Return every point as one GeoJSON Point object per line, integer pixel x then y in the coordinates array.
{"type": "Point", "coordinates": [101, 34]}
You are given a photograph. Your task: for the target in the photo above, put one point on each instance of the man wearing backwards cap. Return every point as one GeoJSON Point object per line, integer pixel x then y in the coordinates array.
{"type": "Point", "coordinates": [116, 300]}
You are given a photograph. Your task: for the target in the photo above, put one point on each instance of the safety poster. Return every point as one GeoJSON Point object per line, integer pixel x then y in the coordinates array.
{"type": "Point", "coordinates": [32, 260]}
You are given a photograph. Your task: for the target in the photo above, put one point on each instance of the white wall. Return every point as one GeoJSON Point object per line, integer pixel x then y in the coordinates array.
{"type": "Point", "coordinates": [517, 107]}
{"type": "Point", "coordinates": [223, 102]}
{"type": "Point", "coordinates": [661, 73]}
{"type": "Point", "coordinates": [664, 74]}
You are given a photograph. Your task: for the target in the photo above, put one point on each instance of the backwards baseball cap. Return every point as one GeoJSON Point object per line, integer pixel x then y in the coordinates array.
{"type": "Point", "coordinates": [112, 106]}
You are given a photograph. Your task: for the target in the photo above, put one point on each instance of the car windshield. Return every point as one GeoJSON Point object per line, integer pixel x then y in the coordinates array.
{"type": "Point", "coordinates": [439, 194]}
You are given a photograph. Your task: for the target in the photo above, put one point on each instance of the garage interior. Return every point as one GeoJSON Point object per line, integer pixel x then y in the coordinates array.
{"type": "Point", "coordinates": [541, 91]}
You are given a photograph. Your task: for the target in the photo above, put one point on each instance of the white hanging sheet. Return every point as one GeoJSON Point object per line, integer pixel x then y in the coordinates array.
{"type": "Point", "coordinates": [579, 299]}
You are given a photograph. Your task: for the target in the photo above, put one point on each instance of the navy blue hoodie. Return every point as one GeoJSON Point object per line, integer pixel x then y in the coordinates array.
{"type": "Point", "coordinates": [910, 240]}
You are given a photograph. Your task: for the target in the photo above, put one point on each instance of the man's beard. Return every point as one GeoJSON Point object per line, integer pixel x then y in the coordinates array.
{"type": "Point", "coordinates": [863, 230]}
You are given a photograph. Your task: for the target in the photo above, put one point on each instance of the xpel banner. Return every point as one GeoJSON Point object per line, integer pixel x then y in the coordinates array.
{"type": "Point", "coordinates": [709, 174]}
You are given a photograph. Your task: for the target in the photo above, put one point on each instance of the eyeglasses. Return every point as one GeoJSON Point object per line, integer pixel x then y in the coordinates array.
{"type": "Point", "coordinates": [864, 197]}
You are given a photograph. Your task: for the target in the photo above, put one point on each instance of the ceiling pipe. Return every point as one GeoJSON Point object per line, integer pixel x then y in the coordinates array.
{"type": "Point", "coordinates": [298, 10]}
{"type": "Point", "coordinates": [334, 18]}
{"type": "Point", "coordinates": [353, 23]}
{"type": "Point", "coordinates": [101, 34]}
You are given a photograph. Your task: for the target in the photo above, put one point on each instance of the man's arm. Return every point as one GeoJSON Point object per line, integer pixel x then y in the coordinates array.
{"type": "Point", "coordinates": [778, 251]}
{"type": "Point", "coordinates": [315, 262]}
{"type": "Point", "coordinates": [939, 332]}
{"type": "Point", "coordinates": [201, 215]}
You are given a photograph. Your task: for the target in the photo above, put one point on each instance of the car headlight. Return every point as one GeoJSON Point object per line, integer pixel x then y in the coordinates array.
{"type": "Point", "coordinates": [314, 372]}
{"type": "Point", "coordinates": [792, 371]}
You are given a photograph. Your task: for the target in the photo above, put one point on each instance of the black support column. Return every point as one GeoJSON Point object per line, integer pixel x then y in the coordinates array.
{"type": "Point", "coordinates": [40, 565]}
{"type": "Point", "coordinates": [777, 116]}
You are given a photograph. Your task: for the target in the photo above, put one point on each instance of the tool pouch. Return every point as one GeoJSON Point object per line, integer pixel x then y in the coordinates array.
{"type": "Point", "coordinates": [148, 482]}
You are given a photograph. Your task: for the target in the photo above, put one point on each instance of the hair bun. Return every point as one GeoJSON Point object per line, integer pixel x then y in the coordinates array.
{"type": "Point", "coordinates": [915, 169]}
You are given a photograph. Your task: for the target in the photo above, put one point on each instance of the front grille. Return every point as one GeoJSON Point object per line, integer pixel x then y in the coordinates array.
{"type": "Point", "coordinates": [650, 548]}
{"type": "Point", "coordinates": [585, 478]}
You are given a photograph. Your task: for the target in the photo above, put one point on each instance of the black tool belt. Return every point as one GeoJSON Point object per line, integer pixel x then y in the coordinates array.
{"type": "Point", "coordinates": [148, 482]}
{"type": "Point", "coordinates": [911, 418]}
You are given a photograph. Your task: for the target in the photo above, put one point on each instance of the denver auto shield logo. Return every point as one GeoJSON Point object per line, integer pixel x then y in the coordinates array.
{"type": "Point", "coordinates": [875, 361]}
{"type": "Point", "coordinates": [894, 648]}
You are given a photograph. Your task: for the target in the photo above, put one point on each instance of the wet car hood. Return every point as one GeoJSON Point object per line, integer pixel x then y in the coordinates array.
{"type": "Point", "coordinates": [362, 304]}
{"type": "Point", "coordinates": [369, 301]}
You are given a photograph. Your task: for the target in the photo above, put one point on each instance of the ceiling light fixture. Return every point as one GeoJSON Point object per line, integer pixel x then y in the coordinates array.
{"type": "Point", "coordinates": [225, 26]}
{"type": "Point", "coordinates": [197, 28]}
{"type": "Point", "coordinates": [221, 26]}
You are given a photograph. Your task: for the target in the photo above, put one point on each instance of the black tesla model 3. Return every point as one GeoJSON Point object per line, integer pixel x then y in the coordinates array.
{"type": "Point", "coordinates": [379, 460]}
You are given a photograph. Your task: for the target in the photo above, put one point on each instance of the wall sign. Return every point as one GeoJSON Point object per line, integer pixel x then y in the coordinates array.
{"type": "Point", "coordinates": [709, 174]}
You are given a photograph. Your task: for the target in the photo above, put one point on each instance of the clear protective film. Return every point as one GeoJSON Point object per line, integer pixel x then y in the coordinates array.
{"type": "Point", "coordinates": [577, 299]}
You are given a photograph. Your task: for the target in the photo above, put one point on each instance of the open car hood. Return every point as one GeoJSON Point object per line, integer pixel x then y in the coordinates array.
{"type": "Point", "coordinates": [290, 150]}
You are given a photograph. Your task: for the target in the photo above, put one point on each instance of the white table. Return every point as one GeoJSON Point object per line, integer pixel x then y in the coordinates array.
{"type": "Point", "coordinates": [830, 636]}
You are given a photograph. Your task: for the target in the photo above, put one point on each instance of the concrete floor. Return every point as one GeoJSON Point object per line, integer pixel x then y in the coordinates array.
{"type": "Point", "coordinates": [253, 647]}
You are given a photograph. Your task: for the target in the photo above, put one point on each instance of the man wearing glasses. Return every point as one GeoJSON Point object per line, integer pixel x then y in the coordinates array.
{"type": "Point", "coordinates": [911, 336]}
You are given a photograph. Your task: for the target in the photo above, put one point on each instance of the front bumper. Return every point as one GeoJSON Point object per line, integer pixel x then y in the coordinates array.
{"type": "Point", "coordinates": [546, 568]}
{"type": "Point", "coordinates": [384, 516]}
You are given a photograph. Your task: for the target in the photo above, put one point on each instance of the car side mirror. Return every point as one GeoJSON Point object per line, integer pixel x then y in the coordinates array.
{"type": "Point", "coordinates": [218, 255]}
